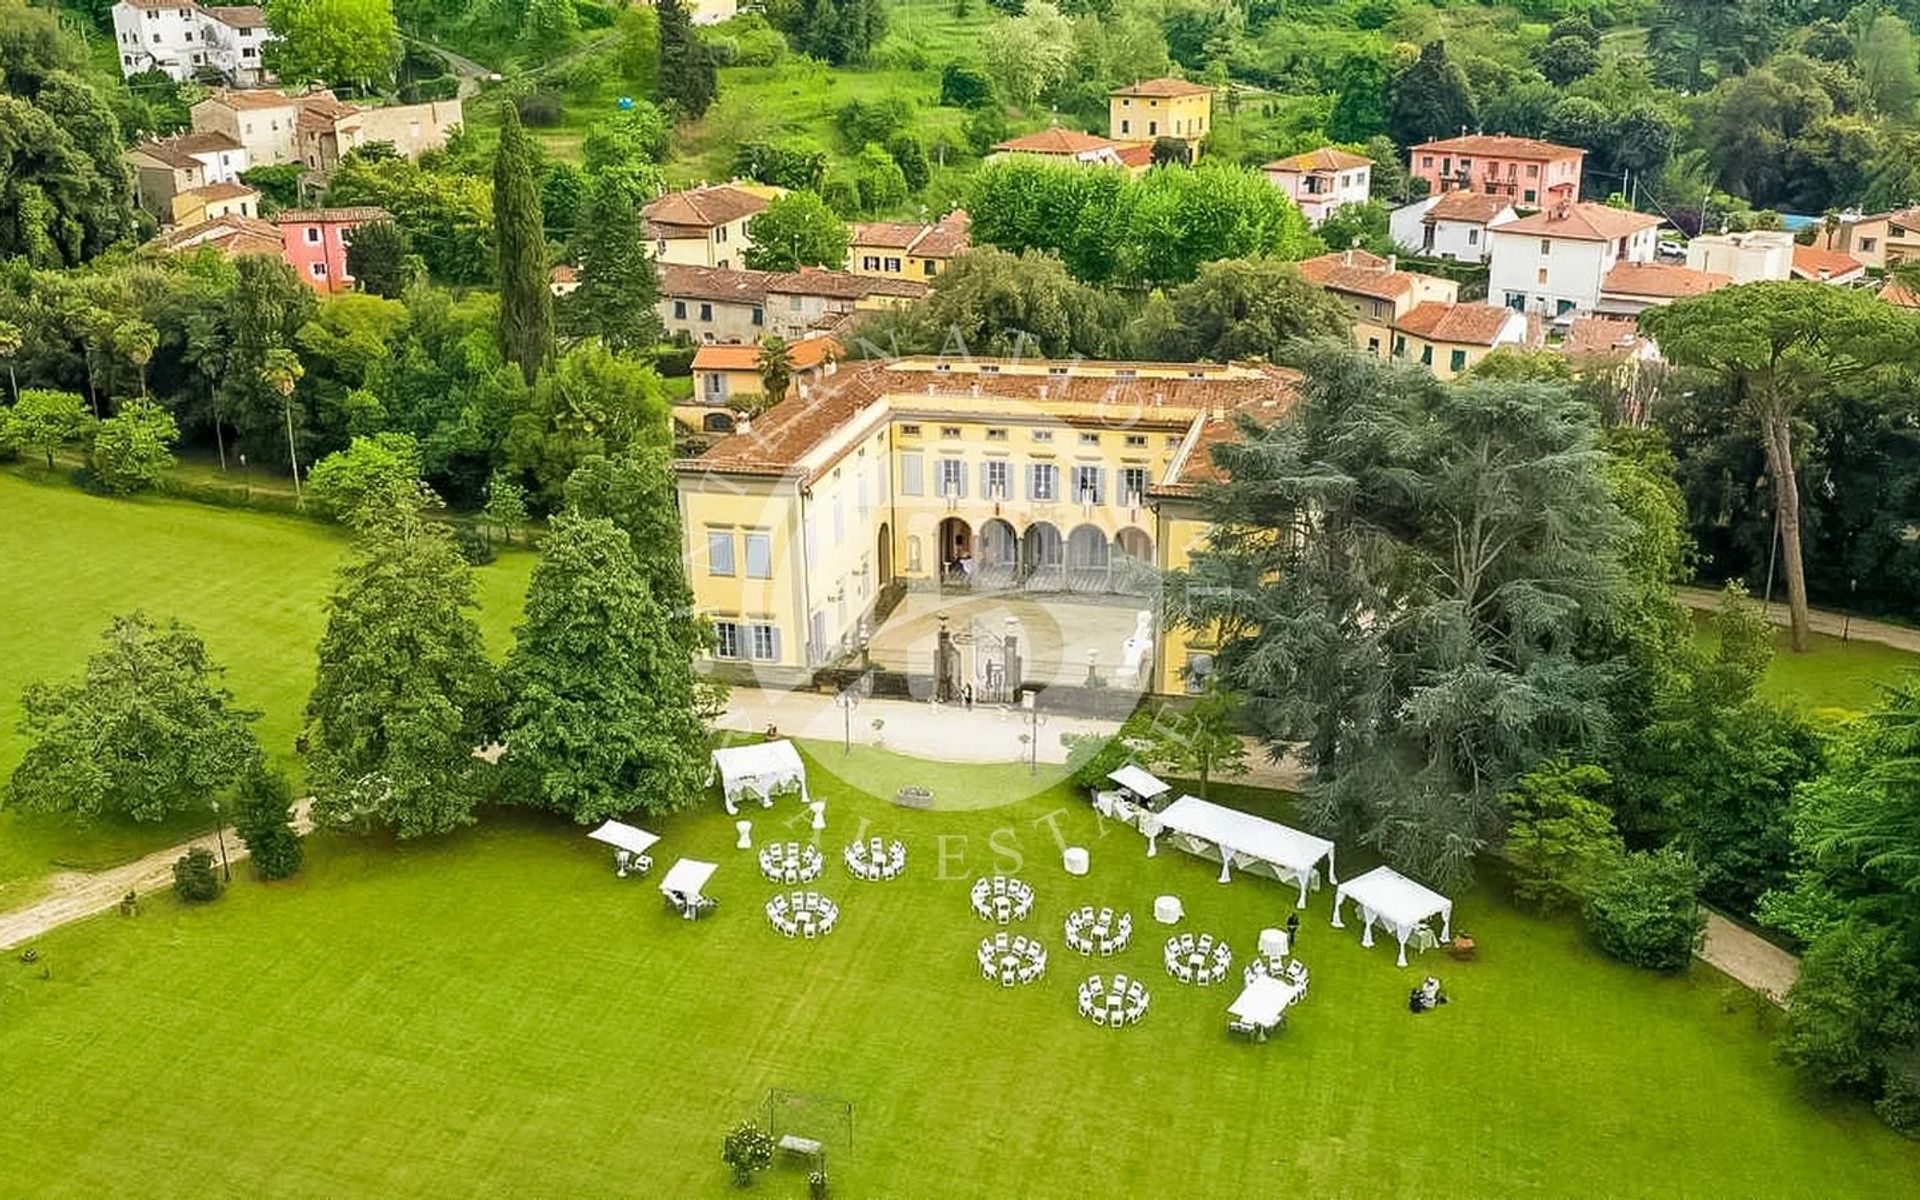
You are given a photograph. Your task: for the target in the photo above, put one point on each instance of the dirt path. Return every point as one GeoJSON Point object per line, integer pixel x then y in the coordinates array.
{"type": "Point", "coordinates": [1749, 958]}
{"type": "Point", "coordinates": [72, 895]}
{"type": "Point", "coordinates": [1820, 620]}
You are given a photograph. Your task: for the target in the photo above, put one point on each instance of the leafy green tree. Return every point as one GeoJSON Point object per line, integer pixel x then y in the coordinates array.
{"type": "Point", "coordinates": [263, 817]}
{"type": "Point", "coordinates": [133, 449]}
{"type": "Point", "coordinates": [637, 53]}
{"type": "Point", "coordinates": [839, 32]}
{"type": "Point", "coordinates": [260, 317]}
{"type": "Point", "coordinates": [748, 1150]}
{"type": "Point", "coordinates": [146, 731]}
{"type": "Point", "coordinates": [878, 180]}
{"type": "Point", "coordinates": [135, 341]}
{"type": "Point", "coordinates": [995, 303]}
{"type": "Point", "coordinates": [46, 421]}
{"type": "Point", "coordinates": [1363, 226]}
{"type": "Point", "coordinates": [1431, 99]}
{"type": "Point", "coordinates": [1249, 308]}
{"type": "Point", "coordinates": [1778, 347]}
{"type": "Point", "coordinates": [1566, 59]}
{"type": "Point", "coordinates": [619, 286]}
{"type": "Point", "coordinates": [404, 693]}
{"type": "Point", "coordinates": [375, 473]}
{"type": "Point", "coordinates": [1028, 54]}
{"type": "Point", "coordinates": [965, 85]}
{"type": "Point", "coordinates": [796, 165]}
{"type": "Point", "coordinates": [590, 403]}
{"type": "Point", "coordinates": [687, 79]}
{"type": "Point", "coordinates": [448, 216]}
{"type": "Point", "coordinates": [526, 303]}
{"type": "Point", "coordinates": [377, 258]}
{"type": "Point", "coordinates": [796, 230]}
{"type": "Point", "coordinates": [506, 508]}
{"type": "Point", "coordinates": [1361, 90]}
{"type": "Point", "coordinates": [334, 41]}
{"type": "Point", "coordinates": [911, 157]}
{"type": "Point", "coordinates": [1644, 911]}
{"type": "Point", "coordinates": [1887, 68]}
{"type": "Point", "coordinates": [1560, 834]}
{"type": "Point", "coordinates": [1201, 741]}
{"type": "Point", "coordinates": [551, 26]}
{"type": "Point", "coordinates": [628, 141]}
{"type": "Point", "coordinates": [635, 489]}
{"type": "Point", "coordinates": [1400, 578]}
{"type": "Point", "coordinates": [600, 714]}
{"type": "Point", "coordinates": [65, 192]}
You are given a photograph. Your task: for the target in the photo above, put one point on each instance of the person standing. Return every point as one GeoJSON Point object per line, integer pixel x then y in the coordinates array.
{"type": "Point", "coordinates": [1293, 933]}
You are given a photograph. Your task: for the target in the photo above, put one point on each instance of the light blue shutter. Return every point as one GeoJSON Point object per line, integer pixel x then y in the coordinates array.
{"type": "Point", "coordinates": [962, 493]}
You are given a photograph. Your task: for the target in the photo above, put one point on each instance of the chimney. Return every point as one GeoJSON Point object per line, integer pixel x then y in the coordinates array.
{"type": "Point", "coordinates": [1159, 398]}
{"type": "Point", "coordinates": [743, 424]}
{"type": "Point", "coordinates": [805, 391]}
{"type": "Point", "coordinates": [1346, 257]}
{"type": "Point", "coordinates": [1043, 391]}
{"type": "Point", "coordinates": [929, 389]}
{"type": "Point", "coordinates": [1393, 262]}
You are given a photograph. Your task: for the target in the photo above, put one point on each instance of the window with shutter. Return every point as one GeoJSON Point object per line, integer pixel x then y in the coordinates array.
{"type": "Point", "coordinates": [910, 480]}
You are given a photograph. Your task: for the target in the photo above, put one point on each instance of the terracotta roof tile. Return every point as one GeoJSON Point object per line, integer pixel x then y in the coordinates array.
{"type": "Point", "coordinates": [234, 234]}
{"type": "Point", "coordinates": [1165, 86]}
{"type": "Point", "coordinates": [1327, 158]}
{"type": "Point", "coordinates": [1056, 140]}
{"type": "Point", "coordinates": [1358, 272]}
{"type": "Point", "coordinates": [779, 439]}
{"type": "Point", "coordinates": [1895, 292]}
{"type": "Point", "coordinates": [1906, 218]}
{"type": "Point", "coordinates": [1811, 262]}
{"type": "Point", "coordinates": [700, 208]}
{"type": "Point", "coordinates": [1498, 145]}
{"type": "Point", "coordinates": [1602, 335]}
{"type": "Point", "coordinates": [713, 283]}
{"type": "Point", "coordinates": [212, 192]}
{"type": "Point", "coordinates": [253, 98]}
{"type": "Point", "coordinates": [1584, 222]}
{"type": "Point", "coordinates": [807, 354]}
{"type": "Point", "coordinates": [841, 285]}
{"type": "Point", "coordinates": [1463, 205]}
{"type": "Point", "coordinates": [1666, 280]}
{"type": "Point", "coordinates": [1463, 324]}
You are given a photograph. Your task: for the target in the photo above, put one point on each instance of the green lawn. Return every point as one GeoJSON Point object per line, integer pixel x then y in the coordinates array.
{"type": "Point", "coordinates": [1843, 677]}
{"type": "Point", "coordinates": [495, 1013]}
{"type": "Point", "coordinates": [251, 583]}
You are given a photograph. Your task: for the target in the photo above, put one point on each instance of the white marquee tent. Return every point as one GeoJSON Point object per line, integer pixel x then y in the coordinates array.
{"type": "Point", "coordinates": [687, 876]}
{"type": "Point", "coordinates": [756, 772]}
{"type": "Point", "coordinates": [1144, 787]}
{"type": "Point", "coordinates": [1396, 902]}
{"type": "Point", "coordinates": [622, 836]}
{"type": "Point", "coordinates": [1239, 839]}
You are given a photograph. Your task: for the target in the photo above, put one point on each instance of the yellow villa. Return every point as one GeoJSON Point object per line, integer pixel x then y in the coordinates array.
{"type": "Point", "coordinates": [972, 488]}
{"type": "Point", "coordinates": [908, 250]}
{"type": "Point", "coordinates": [1156, 108]}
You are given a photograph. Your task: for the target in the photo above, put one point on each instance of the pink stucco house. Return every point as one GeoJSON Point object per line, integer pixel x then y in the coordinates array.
{"type": "Point", "coordinates": [1527, 172]}
{"type": "Point", "coordinates": [315, 243]}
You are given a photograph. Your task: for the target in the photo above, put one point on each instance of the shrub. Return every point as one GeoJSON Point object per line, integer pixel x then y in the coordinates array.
{"type": "Point", "coordinates": [263, 818]}
{"type": "Point", "coordinates": [473, 544]}
{"type": "Point", "coordinates": [1852, 1005]}
{"type": "Point", "coordinates": [748, 1149]}
{"type": "Point", "coordinates": [965, 85]}
{"type": "Point", "coordinates": [1559, 836]}
{"type": "Point", "coordinates": [541, 109]}
{"type": "Point", "coordinates": [861, 121]}
{"type": "Point", "coordinates": [817, 1185]}
{"type": "Point", "coordinates": [195, 880]}
{"type": "Point", "coordinates": [1646, 911]}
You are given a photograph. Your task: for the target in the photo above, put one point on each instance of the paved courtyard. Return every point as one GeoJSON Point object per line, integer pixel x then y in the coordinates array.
{"type": "Point", "coordinates": [1056, 635]}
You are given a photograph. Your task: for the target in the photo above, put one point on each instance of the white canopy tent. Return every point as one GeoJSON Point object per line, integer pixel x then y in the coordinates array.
{"type": "Point", "coordinates": [757, 772]}
{"type": "Point", "coordinates": [687, 876]}
{"type": "Point", "coordinates": [1264, 1001]}
{"type": "Point", "coordinates": [1400, 904]}
{"type": "Point", "coordinates": [622, 836]}
{"type": "Point", "coordinates": [1239, 839]}
{"type": "Point", "coordinates": [1140, 782]}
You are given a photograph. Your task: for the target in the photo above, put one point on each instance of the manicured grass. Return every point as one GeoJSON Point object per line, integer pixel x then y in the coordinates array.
{"type": "Point", "coordinates": [1842, 677]}
{"type": "Point", "coordinates": [252, 584]}
{"type": "Point", "coordinates": [495, 1013]}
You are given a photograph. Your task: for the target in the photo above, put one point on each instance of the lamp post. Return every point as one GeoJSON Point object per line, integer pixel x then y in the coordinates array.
{"type": "Point", "coordinates": [1031, 702]}
{"type": "Point", "coordinates": [847, 701]}
{"type": "Point", "coordinates": [220, 836]}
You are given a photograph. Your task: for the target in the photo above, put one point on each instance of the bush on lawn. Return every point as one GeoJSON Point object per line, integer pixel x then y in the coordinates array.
{"type": "Point", "coordinates": [1646, 910]}
{"type": "Point", "coordinates": [263, 816]}
{"type": "Point", "coordinates": [748, 1149]}
{"type": "Point", "coordinates": [194, 878]}
{"type": "Point", "coordinates": [1849, 1016]}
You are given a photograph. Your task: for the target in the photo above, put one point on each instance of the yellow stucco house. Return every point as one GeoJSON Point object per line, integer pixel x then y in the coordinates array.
{"type": "Point", "coordinates": [1377, 292]}
{"type": "Point", "coordinates": [1020, 477]}
{"type": "Point", "coordinates": [908, 250]}
{"type": "Point", "coordinates": [1156, 108]}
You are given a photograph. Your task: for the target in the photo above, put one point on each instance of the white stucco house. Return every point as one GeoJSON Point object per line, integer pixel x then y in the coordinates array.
{"type": "Point", "coordinates": [189, 41]}
{"type": "Point", "coordinates": [1451, 225]}
{"type": "Point", "coordinates": [1555, 262]}
{"type": "Point", "coordinates": [1321, 181]}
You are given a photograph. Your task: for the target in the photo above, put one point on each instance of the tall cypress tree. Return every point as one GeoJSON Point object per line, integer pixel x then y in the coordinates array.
{"type": "Point", "coordinates": [687, 78]}
{"type": "Point", "coordinates": [1431, 100]}
{"type": "Point", "coordinates": [526, 306]}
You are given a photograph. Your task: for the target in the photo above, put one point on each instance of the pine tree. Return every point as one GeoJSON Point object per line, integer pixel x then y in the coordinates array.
{"type": "Point", "coordinates": [618, 284]}
{"type": "Point", "coordinates": [526, 306]}
{"type": "Point", "coordinates": [688, 81]}
{"type": "Point", "coordinates": [601, 710]}
{"type": "Point", "coordinates": [1432, 99]}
